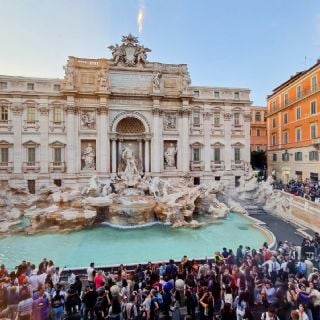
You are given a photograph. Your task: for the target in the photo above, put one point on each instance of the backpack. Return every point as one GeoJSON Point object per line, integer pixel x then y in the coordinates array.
{"type": "Point", "coordinates": [99, 304]}
{"type": "Point", "coordinates": [57, 300]}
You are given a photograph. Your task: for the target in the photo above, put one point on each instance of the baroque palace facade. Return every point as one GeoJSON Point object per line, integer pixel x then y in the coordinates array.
{"type": "Point", "coordinates": [63, 131]}
{"type": "Point", "coordinates": [293, 127]}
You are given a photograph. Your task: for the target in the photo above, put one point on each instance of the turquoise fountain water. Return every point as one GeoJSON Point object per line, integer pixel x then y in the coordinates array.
{"type": "Point", "coordinates": [106, 245]}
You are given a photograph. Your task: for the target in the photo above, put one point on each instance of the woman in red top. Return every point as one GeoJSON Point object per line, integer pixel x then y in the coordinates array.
{"type": "Point", "coordinates": [99, 279]}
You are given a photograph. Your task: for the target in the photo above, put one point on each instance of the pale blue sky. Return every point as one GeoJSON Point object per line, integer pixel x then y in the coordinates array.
{"type": "Point", "coordinates": [249, 43]}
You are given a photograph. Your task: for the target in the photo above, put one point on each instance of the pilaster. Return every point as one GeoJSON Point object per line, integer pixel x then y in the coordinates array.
{"type": "Point", "coordinates": [157, 138]}
{"type": "Point", "coordinates": [71, 136]}
{"type": "Point", "coordinates": [206, 135]}
{"type": "Point", "coordinates": [227, 137]}
{"type": "Point", "coordinates": [16, 110]}
{"type": "Point", "coordinates": [185, 112]}
{"type": "Point", "coordinates": [103, 150]}
{"type": "Point", "coordinates": [44, 138]}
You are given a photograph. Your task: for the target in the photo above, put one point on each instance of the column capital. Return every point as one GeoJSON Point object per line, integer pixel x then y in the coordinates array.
{"type": "Point", "coordinates": [71, 109]}
{"type": "Point", "coordinates": [156, 111]}
{"type": "Point", "coordinates": [44, 109]}
{"type": "Point", "coordinates": [16, 109]}
{"type": "Point", "coordinates": [102, 109]}
{"type": "Point", "coordinates": [227, 116]}
{"type": "Point", "coordinates": [184, 112]}
{"type": "Point", "coordinates": [207, 115]}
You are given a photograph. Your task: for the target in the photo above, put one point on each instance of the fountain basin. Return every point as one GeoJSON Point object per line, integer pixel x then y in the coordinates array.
{"type": "Point", "coordinates": [105, 245]}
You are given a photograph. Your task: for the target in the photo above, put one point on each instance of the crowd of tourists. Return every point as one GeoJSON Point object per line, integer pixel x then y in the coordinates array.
{"type": "Point", "coordinates": [245, 284]}
{"type": "Point", "coordinates": [307, 189]}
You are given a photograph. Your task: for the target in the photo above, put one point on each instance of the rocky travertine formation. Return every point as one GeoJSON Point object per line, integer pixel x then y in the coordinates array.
{"type": "Point", "coordinates": [151, 199]}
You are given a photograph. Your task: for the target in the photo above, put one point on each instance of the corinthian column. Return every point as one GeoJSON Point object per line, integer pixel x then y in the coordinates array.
{"type": "Point", "coordinates": [103, 149]}
{"type": "Point", "coordinates": [185, 140]}
{"type": "Point", "coordinates": [157, 138]}
{"type": "Point", "coordinates": [114, 156]}
{"type": "Point", "coordinates": [71, 136]}
{"type": "Point", "coordinates": [146, 156]}
{"type": "Point", "coordinates": [44, 138]}
{"type": "Point", "coordinates": [206, 135]}
{"type": "Point", "coordinates": [228, 151]}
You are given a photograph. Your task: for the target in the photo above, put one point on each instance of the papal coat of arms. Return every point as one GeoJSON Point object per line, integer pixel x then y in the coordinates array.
{"type": "Point", "coordinates": [129, 53]}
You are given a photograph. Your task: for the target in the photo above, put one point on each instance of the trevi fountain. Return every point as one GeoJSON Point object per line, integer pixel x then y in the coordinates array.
{"type": "Point", "coordinates": [128, 217]}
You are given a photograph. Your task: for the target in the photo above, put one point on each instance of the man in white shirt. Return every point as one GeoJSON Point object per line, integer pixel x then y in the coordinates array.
{"type": "Point", "coordinates": [91, 273]}
{"type": "Point", "coordinates": [56, 276]}
{"type": "Point", "coordinates": [33, 279]}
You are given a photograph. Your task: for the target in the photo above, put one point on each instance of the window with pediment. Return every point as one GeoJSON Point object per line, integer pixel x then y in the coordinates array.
{"type": "Point", "coordinates": [57, 114]}
{"type": "Point", "coordinates": [31, 113]}
{"type": "Point", "coordinates": [196, 118]}
{"type": "Point", "coordinates": [216, 118]}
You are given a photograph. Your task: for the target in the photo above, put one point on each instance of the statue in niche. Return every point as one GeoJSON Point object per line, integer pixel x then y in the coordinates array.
{"type": "Point", "coordinates": [88, 156]}
{"type": "Point", "coordinates": [156, 80]}
{"type": "Point", "coordinates": [87, 120]}
{"type": "Point", "coordinates": [103, 78]}
{"type": "Point", "coordinates": [69, 76]}
{"type": "Point", "coordinates": [130, 161]}
{"type": "Point", "coordinates": [170, 155]}
{"type": "Point", "coordinates": [169, 122]}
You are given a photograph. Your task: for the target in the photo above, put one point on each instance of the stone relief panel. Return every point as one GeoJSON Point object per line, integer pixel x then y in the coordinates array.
{"type": "Point", "coordinates": [170, 121]}
{"type": "Point", "coordinates": [88, 154]}
{"type": "Point", "coordinates": [88, 120]}
{"type": "Point", "coordinates": [156, 80]}
{"type": "Point", "coordinates": [103, 79]}
{"type": "Point", "coordinates": [170, 154]}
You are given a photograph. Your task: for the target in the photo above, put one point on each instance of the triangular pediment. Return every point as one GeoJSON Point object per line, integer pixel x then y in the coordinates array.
{"type": "Point", "coordinates": [31, 143]}
{"type": "Point", "coordinates": [197, 144]}
{"type": "Point", "coordinates": [5, 143]}
{"type": "Point", "coordinates": [57, 144]}
{"type": "Point", "coordinates": [238, 145]}
{"type": "Point", "coordinates": [217, 145]}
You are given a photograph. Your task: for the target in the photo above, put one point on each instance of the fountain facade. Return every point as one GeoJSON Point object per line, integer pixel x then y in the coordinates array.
{"type": "Point", "coordinates": [107, 113]}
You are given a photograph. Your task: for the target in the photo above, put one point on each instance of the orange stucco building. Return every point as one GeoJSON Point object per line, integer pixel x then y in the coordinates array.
{"type": "Point", "coordinates": [293, 126]}
{"type": "Point", "coordinates": [258, 129]}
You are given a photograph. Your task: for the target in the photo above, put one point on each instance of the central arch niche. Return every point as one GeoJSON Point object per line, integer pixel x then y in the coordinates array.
{"type": "Point", "coordinates": [130, 125]}
{"type": "Point", "coordinates": [130, 131]}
